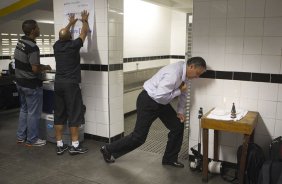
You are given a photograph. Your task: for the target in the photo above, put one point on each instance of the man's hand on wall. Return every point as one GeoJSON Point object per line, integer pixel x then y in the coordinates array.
{"type": "Point", "coordinates": [72, 19]}
{"type": "Point", "coordinates": [84, 16]}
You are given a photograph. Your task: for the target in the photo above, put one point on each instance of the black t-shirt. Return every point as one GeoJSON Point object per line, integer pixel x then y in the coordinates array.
{"type": "Point", "coordinates": [68, 60]}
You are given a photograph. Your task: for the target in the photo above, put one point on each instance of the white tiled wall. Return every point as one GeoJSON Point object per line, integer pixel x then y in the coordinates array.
{"type": "Point", "coordinates": [115, 15]}
{"type": "Point", "coordinates": [4, 64]}
{"type": "Point", "coordinates": [146, 34]}
{"type": "Point", "coordinates": [178, 33]}
{"type": "Point", "coordinates": [159, 31]}
{"type": "Point", "coordinates": [116, 102]}
{"type": "Point", "coordinates": [130, 99]}
{"type": "Point", "coordinates": [102, 91]}
{"type": "Point", "coordinates": [140, 65]}
{"type": "Point", "coordinates": [245, 36]}
{"type": "Point", "coordinates": [48, 61]}
{"type": "Point", "coordinates": [94, 89]}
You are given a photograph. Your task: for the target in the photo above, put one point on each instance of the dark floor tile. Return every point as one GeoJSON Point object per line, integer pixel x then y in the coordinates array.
{"type": "Point", "coordinates": [60, 177]}
{"type": "Point", "coordinates": [41, 165]}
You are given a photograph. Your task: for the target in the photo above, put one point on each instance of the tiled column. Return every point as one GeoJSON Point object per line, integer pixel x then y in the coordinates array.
{"type": "Point", "coordinates": [102, 69]}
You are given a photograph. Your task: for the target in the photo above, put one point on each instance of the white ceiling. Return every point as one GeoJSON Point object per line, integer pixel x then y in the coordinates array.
{"type": "Point", "coordinates": [42, 11]}
{"type": "Point", "coordinates": [180, 5]}
{"type": "Point", "coordinates": [42, 16]}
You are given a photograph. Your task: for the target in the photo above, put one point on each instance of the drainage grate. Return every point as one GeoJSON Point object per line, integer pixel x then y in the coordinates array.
{"type": "Point", "coordinates": [157, 137]}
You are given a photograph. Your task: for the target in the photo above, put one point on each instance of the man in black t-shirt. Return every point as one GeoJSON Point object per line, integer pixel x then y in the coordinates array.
{"type": "Point", "coordinates": [68, 99]}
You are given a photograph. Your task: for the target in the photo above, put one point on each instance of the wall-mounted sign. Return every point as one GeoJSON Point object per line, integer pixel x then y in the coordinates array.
{"type": "Point", "coordinates": [76, 7]}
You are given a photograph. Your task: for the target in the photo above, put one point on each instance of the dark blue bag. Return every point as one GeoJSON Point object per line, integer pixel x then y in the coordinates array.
{"type": "Point", "coordinates": [271, 172]}
{"type": "Point", "coordinates": [254, 162]}
{"type": "Point", "coordinates": [275, 149]}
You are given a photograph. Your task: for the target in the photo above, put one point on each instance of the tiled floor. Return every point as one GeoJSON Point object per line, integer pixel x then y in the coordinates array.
{"type": "Point", "coordinates": [32, 165]}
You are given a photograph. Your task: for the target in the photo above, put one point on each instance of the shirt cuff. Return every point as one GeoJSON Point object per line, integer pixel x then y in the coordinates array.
{"type": "Point", "coordinates": [177, 92]}
{"type": "Point", "coordinates": [180, 111]}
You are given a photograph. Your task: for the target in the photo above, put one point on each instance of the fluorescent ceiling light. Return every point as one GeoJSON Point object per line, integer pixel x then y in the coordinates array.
{"type": "Point", "coordinates": [45, 21]}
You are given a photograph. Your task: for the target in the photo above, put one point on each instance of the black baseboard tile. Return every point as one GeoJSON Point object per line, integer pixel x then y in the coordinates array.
{"type": "Point", "coordinates": [223, 75]}
{"type": "Point", "coordinates": [104, 139]}
{"type": "Point", "coordinates": [260, 77]}
{"type": "Point", "coordinates": [276, 78]}
{"type": "Point", "coordinates": [47, 55]}
{"type": "Point", "coordinates": [242, 76]}
{"type": "Point", "coordinates": [103, 68]}
{"type": "Point", "coordinates": [177, 57]}
{"type": "Point", "coordinates": [85, 66]}
{"type": "Point", "coordinates": [5, 57]}
{"type": "Point", "coordinates": [130, 113]}
{"type": "Point", "coordinates": [114, 67]}
{"type": "Point", "coordinates": [95, 67]}
{"type": "Point", "coordinates": [147, 58]}
{"type": "Point", "coordinates": [210, 74]}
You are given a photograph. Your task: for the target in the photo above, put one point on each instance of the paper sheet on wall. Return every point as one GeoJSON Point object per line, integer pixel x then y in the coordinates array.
{"type": "Point", "coordinates": [224, 114]}
{"type": "Point", "coordinates": [76, 7]}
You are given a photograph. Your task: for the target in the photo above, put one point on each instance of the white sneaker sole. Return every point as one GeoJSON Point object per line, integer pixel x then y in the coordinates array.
{"type": "Point", "coordinates": [31, 145]}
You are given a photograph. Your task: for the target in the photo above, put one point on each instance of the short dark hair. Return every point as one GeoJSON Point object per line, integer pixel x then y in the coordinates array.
{"type": "Point", "coordinates": [28, 26]}
{"type": "Point", "coordinates": [197, 61]}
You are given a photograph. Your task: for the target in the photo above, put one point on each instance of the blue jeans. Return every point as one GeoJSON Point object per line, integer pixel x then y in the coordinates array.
{"type": "Point", "coordinates": [30, 113]}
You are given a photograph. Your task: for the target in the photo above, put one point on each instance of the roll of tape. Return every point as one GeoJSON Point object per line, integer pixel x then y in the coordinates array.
{"type": "Point", "coordinates": [193, 165]}
{"type": "Point", "coordinates": [214, 167]}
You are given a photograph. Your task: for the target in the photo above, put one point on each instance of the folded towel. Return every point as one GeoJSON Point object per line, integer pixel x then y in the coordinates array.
{"type": "Point", "coordinates": [223, 114]}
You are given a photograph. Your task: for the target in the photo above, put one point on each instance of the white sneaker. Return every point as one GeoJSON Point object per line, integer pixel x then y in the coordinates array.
{"type": "Point", "coordinates": [39, 142]}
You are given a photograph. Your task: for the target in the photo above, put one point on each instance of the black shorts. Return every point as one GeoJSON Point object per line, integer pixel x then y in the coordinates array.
{"type": "Point", "coordinates": [68, 107]}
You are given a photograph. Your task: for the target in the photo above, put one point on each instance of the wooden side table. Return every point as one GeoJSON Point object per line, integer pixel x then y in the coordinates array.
{"type": "Point", "coordinates": [244, 126]}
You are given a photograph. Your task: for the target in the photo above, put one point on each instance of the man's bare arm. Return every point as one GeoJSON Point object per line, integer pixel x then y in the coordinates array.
{"type": "Point", "coordinates": [40, 68]}
{"type": "Point", "coordinates": [85, 26]}
{"type": "Point", "coordinates": [72, 21]}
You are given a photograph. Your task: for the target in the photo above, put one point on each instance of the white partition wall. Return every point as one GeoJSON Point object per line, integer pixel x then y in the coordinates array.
{"type": "Point", "coordinates": [154, 36]}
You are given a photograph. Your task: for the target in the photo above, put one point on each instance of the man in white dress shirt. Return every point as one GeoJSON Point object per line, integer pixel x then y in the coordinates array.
{"type": "Point", "coordinates": [154, 102]}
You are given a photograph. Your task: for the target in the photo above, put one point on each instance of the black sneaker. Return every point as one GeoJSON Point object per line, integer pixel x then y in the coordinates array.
{"type": "Point", "coordinates": [61, 149]}
{"type": "Point", "coordinates": [77, 150]}
{"type": "Point", "coordinates": [107, 155]}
